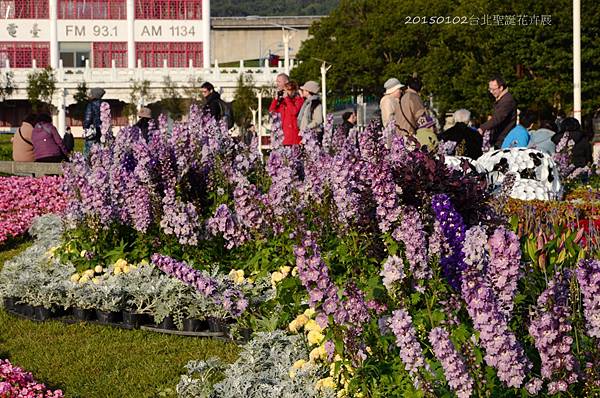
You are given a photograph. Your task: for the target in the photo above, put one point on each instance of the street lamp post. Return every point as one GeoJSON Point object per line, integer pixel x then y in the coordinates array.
{"type": "Point", "coordinates": [324, 69]}
{"type": "Point", "coordinates": [577, 59]}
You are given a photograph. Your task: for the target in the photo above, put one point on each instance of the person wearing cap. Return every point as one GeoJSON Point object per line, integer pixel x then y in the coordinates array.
{"type": "Point", "coordinates": [145, 116]}
{"type": "Point", "coordinates": [311, 113]}
{"type": "Point", "coordinates": [91, 119]}
{"type": "Point", "coordinates": [390, 105]}
{"type": "Point", "coordinates": [411, 107]}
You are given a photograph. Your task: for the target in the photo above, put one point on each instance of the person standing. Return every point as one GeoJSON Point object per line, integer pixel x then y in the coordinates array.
{"type": "Point", "coordinates": [91, 121]}
{"type": "Point", "coordinates": [390, 106]}
{"type": "Point", "coordinates": [288, 105]}
{"type": "Point", "coordinates": [212, 98]}
{"type": "Point", "coordinates": [311, 113]}
{"type": "Point", "coordinates": [504, 117]}
{"type": "Point", "coordinates": [21, 142]}
{"type": "Point", "coordinates": [48, 146]}
{"type": "Point", "coordinates": [68, 140]}
{"type": "Point", "coordinates": [348, 122]}
{"type": "Point", "coordinates": [143, 123]}
{"type": "Point", "coordinates": [411, 107]}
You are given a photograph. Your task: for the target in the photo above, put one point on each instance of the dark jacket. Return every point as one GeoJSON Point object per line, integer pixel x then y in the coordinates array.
{"type": "Point", "coordinates": [465, 137]}
{"type": "Point", "coordinates": [68, 141]}
{"type": "Point", "coordinates": [92, 118]}
{"type": "Point", "coordinates": [213, 105]}
{"type": "Point", "coordinates": [346, 127]}
{"type": "Point", "coordinates": [143, 124]}
{"type": "Point", "coordinates": [582, 150]}
{"type": "Point", "coordinates": [503, 119]}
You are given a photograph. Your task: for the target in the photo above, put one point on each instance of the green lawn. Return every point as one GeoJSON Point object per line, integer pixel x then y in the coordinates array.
{"type": "Point", "coordinates": [88, 361]}
{"type": "Point", "coordinates": [6, 146]}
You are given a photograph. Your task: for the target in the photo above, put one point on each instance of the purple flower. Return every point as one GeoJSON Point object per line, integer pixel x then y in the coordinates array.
{"type": "Point", "coordinates": [454, 230]}
{"type": "Point", "coordinates": [502, 350]}
{"type": "Point", "coordinates": [504, 269]}
{"type": "Point", "coordinates": [455, 368]}
{"type": "Point", "coordinates": [550, 327]}
{"type": "Point", "coordinates": [411, 352]}
{"type": "Point", "coordinates": [224, 223]}
{"type": "Point", "coordinates": [588, 276]}
{"type": "Point", "coordinates": [410, 232]}
{"type": "Point", "coordinates": [393, 271]}
{"type": "Point", "coordinates": [227, 296]}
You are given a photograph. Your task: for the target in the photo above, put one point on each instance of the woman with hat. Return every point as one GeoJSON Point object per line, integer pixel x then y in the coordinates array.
{"type": "Point", "coordinates": [311, 113]}
{"type": "Point", "coordinates": [390, 105]}
{"type": "Point", "coordinates": [145, 116]}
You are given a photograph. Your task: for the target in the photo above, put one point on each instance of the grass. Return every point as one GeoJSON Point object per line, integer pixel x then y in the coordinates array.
{"type": "Point", "coordinates": [88, 361]}
{"type": "Point", "coordinates": [12, 248]}
{"type": "Point", "coordinates": [6, 146]}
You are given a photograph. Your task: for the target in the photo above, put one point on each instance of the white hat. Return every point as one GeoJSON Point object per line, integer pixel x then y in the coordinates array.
{"type": "Point", "coordinates": [392, 85]}
{"type": "Point", "coordinates": [311, 86]}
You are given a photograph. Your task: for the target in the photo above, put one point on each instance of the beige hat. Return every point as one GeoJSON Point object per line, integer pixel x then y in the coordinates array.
{"type": "Point", "coordinates": [311, 86]}
{"type": "Point", "coordinates": [392, 85]}
{"type": "Point", "coordinates": [145, 112]}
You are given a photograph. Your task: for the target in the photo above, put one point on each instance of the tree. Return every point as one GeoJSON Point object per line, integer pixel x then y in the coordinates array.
{"type": "Point", "coordinates": [244, 99]}
{"type": "Point", "coordinates": [77, 111]}
{"type": "Point", "coordinates": [140, 92]}
{"type": "Point", "coordinates": [369, 41]}
{"type": "Point", "coordinates": [172, 100]}
{"type": "Point", "coordinates": [41, 85]}
{"type": "Point", "coordinates": [7, 84]}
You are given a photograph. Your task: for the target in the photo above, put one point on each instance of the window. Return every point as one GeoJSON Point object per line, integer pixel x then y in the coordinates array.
{"type": "Point", "coordinates": [22, 54]}
{"type": "Point", "coordinates": [24, 9]}
{"type": "Point", "coordinates": [168, 9]}
{"type": "Point", "coordinates": [176, 54]}
{"type": "Point", "coordinates": [104, 53]}
{"type": "Point", "coordinates": [92, 9]}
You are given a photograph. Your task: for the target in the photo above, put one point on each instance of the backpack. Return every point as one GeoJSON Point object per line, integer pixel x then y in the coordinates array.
{"type": "Point", "coordinates": [226, 113]}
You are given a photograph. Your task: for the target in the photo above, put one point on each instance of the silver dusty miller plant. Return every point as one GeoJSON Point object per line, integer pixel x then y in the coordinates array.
{"type": "Point", "coordinates": [262, 371]}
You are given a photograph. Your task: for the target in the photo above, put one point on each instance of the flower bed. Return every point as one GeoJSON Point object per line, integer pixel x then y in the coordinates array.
{"type": "Point", "coordinates": [15, 382]}
{"type": "Point", "coordinates": [24, 198]}
{"type": "Point", "coordinates": [392, 268]}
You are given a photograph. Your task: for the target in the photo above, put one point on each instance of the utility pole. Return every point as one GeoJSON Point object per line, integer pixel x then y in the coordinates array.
{"type": "Point", "coordinates": [324, 69]}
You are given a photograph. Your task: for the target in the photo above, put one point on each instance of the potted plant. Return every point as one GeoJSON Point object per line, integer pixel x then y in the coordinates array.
{"type": "Point", "coordinates": [141, 289]}
{"type": "Point", "coordinates": [81, 297]}
{"type": "Point", "coordinates": [170, 305]}
{"type": "Point", "coordinates": [109, 301]}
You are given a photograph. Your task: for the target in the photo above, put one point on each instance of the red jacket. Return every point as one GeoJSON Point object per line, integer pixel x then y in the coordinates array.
{"type": "Point", "coordinates": [288, 109]}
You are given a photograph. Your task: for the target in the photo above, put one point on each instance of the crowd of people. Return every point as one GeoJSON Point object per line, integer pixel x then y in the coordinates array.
{"type": "Point", "coordinates": [300, 108]}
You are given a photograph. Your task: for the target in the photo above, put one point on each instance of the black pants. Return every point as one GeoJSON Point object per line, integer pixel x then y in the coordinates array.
{"type": "Point", "coordinates": [52, 159]}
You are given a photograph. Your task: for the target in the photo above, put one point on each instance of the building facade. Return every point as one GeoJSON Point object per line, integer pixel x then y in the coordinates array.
{"type": "Point", "coordinates": [100, 32]}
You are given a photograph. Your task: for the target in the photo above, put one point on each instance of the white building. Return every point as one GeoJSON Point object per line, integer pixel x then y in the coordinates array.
{"type": "Point", "coordinates": [112, 43]}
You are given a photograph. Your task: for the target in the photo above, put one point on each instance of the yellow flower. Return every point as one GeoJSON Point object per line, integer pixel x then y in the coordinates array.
{"type": "Point", "coordinates": [299, 364]}
{"type": "Point", "coordinates": [133, 266]}
{"type": "Point", "coordinates": [84, 279]}
{"type": "Point", "coordinates": [117, 270]}
{"type": "Point", "coordinates": [309, 312]}
{"type": "Point", "coordinates": [318, 353]}
{"type": "Point", "coordinates": [83, 253]}
{"type": "Point", "coordinates": [292, 373]}
{"type": "Point", "coordinates": [95, 281]}
{"type": "Point", "coordinates": [293, 326]}
{"type": "Point", "coordinates": [315, 337]}
{"type": "Point", "coordinates": [237, 276]}
{"type": "Point", "coordinates": [120, 263]}
{"type": "Point", "coordinates": [144, 262]}
{"type": "Point", "coordinates": [325, 383]}
{"type": "Point", "coordinates": [294, 271]}
{"type": "Point", "coordinates": [75, 277]}
{"type": "Point", "coordinates": [98, 269]}
{"type": "Point", "coordinates": [276, 277]}
{"type": "Point", "coordinates": [51, 251]}
{"type": "Point", "coordinates": [285, 270]}
{"type": "Point", "coordinates": [89, 273]}
{"type": "Point", "coordinates": [313, 325]}
{"type": "Point", "coordinates": [301, 320]}
{"type": "Point", "coordinates": [126, 269]}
